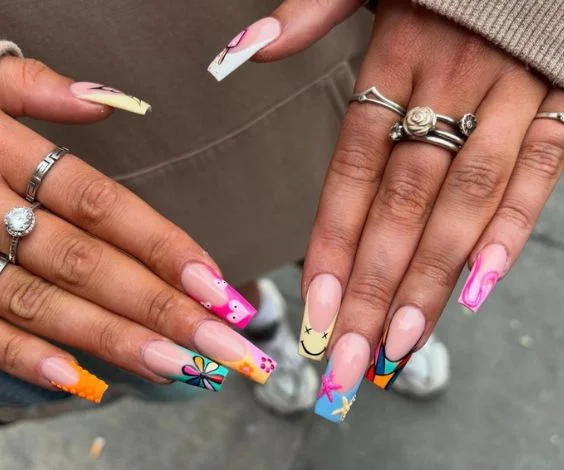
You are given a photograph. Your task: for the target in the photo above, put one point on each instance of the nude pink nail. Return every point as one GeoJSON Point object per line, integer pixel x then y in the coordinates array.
{"type": "Point", "coordinates": [218, 341]}
{"type": "Point", "coordinates": [204, 285]}
{"type": "Point", "coordinates": [488, 267]}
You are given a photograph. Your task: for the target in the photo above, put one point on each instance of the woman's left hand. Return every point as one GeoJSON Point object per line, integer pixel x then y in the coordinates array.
{"type": "Point", "coordinates": [397, 223]}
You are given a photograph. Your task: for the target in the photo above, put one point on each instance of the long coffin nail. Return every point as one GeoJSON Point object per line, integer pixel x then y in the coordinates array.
{"type": "Point", "coordinates": [177, 363]}
{"type": "Point", "coordinates": [70, 377]}
{"type": "Point", "coordinates": [396, 346]}
{"type": "Point", "coordinates": [243, 46]}
{"type": "Point", "coordinates": [109, 96]}
{"type": "Point", "coordinates": [218, 341]}
{"type": "Point", "coordinates": [485, 273]}
{"type": "Point", "coordinates": [206, 286]}
{"type": "Point", "coordinates": [342, 377]}
{"type": "Point", "coordinates": [322, 305]}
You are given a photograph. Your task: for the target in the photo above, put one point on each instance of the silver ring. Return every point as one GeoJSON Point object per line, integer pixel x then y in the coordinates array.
{"type": "Point", "coordinates": [19, 222]}
{"type": "Point", "coordinates": [379, 99]}
{"type": "Point", "coordinates": [4, 261]}
{"type": "Point", "coordinates": [399, 134]}
{"type": "Point", "coordinates": [422, 120]}
{"type": "Point", "coordinates": [41, 171]}
{"type": "Point", "coordinates": [558, 116]}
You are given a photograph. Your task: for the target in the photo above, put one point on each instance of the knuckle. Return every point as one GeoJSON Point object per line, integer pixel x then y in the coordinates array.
{"type": "Point", "coordinates": [95, 200]}
{"type": "Point", "coordinates": [543, 158]}
{"type": "Point", "coordinates": [77, 260]}
{"type": "Point", "coordinates": [337, 236]}
{"type": "Point", "coordinates": [160, 309]}
{"type": "Point", "coordinates": [11, 352]}
{"type": "Point", "coordinates": [31, 72]}
{"type": "Point", "coordinates": [353, 162]}
{"type": "Point", "coordinates": [516, 213]}
{"type": "Point", "coordinates": [436, 269]}
{"type": "Point", "coordinates": [476, 181]}
{"type": "Point", "coordinates": [109, 338]}
{"type": "Point", "coordinates": [405, 197]}
{"type": "Point", "coordinates": [159, 247]}
{"type": "Point", "coordinates": [31, 298]}
{"type": "Point", "coordinates": [371, 289]}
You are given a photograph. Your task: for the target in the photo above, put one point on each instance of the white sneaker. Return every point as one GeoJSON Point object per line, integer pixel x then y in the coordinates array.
{"type": "Point", "coordinates": [427, 372]}
{"type": "Point", "coordinates": [293, 386]}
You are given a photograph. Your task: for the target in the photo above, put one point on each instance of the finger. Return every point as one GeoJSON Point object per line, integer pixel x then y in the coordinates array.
{"type": "Point", "coordinates": [88, 199]}
{"type": "Point", "coordinates": [468, 199]}
{"type": "Point", "coordinates": [351, 183]}
{"type": "Point", "coordinates": [38, 307]}
{"type": "Point", "coordinates": [294, 25]}
{"type": "Point", "coordinates": [536, 173]}
{"type": "Point", "coordinates": [30, 88]}
{"type": "Point", "coordinates": [36, 361]}
{"type": "Point", "coordinates": [69, 258]}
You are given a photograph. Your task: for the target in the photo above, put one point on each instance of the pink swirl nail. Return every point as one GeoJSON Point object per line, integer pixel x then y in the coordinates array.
{"type": "Point", "coordinates": [485, 273]}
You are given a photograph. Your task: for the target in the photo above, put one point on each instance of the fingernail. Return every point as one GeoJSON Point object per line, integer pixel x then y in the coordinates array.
{"type": "Point", "coordinates": [177, 363]}
{"type": "Point", "coordinates": [70, 377]}
{"type": "Point", "coordinates": [218, 341]}
{"type": "Point", "coordinates": [342, 377]}
{"type": "Point", "coordinates": [109, 96]}
{"type": "Point", "coordinates": [483, 277]}
{"type": "Point", "coordinates": [243, 46]}
{"type": "Point", "coordinates": [322, 305]}
{"type": "Point", "coordinates": [204, 285]}
{"type": "Point", "coordinates": [396, 346]}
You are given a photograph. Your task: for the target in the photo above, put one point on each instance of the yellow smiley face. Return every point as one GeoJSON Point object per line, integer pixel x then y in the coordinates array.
{"type": "Point", "coordinates": [313, 343]}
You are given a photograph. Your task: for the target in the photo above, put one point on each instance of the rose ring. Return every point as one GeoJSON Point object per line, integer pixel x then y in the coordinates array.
{"type": "Point", "coordinates": [19, 222]}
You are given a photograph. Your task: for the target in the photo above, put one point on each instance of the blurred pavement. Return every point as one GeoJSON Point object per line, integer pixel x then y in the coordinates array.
{"type": "Point", "coordinates": [503, 409]}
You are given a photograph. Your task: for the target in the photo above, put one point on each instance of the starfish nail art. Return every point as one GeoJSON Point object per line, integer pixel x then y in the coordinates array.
{"type": "Point", "coordinates": [327, 386]}
{"type": "Point", "coordinates": [345, 407]}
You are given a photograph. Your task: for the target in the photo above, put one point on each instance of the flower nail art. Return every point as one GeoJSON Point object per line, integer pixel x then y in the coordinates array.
{"type": "Point", "coordinates": [176, 363]}
{"type": "Point", "coordinates": [485, 273]}
{"type": "Point", "coordinates": [97, 93]}
{"type": "Point", "coordinates": [204, 285]}
{"type": "Point", "coordinates": [243, 46]}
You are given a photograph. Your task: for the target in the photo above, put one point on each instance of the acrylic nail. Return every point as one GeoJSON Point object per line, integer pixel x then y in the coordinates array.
{"type": "Point", "coordinates": [102, 94]}
{"type": "Point", "coordinates": [322, 305]}
{"type": "Point", "coordinates": [396, 346]}
{"type": "Point", "coordinates": [243, 46]}
{"type": "Point", "coordinates": [182, 365]}
{"type": "Point", "coordinates": [218, 341]}
{"type": "Point", "coordinates": [71, 378]}
{"type": "Point", "coordinates": [204, 285]}
{"type": "Point", "coordinates": [342, 378]}
{"type": "Point", "coordinates": [488, 267]}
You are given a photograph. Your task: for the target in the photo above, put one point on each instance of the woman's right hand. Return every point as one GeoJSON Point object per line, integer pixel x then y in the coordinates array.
{"type": "Point", "coordinates": [102, 271]}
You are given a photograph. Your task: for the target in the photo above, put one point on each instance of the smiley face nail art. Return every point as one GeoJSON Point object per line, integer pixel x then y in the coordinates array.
{"type": "Point", "coordinates": [322, 305]}
{"type": "Point", "coordinates": [102, 94]}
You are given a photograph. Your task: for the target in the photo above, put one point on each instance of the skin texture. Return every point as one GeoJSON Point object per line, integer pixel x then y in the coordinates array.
{"type": "Point", "coordinates": [90, 275]}
{"type": "Point", "coordinates": [397, 223]}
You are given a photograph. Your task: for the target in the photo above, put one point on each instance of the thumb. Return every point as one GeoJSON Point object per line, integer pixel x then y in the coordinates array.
{"type": "Point", "coordinates": [293, 26]}
{"type": "Point", "coordinates": [28, 88]}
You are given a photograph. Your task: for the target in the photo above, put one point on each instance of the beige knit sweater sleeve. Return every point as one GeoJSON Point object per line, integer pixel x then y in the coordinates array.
{"type": "Point", "coordinates": [531, 30]}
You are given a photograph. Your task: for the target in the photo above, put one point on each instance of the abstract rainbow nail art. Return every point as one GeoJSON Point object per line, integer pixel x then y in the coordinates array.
{"type": "Point", "coordinates": [204, 285]}
{"type": "Point", "coordinates": [182, 365]}
{"type": "Point", "coordinates": [396, 346]}
{"type": "Point", "coordinates": [68, 376]}
{"type": "Point", "coordinates": [218, 341]}
{"type": "Point", "coordinates": [342, 378]}
{"type": "Point", "coordinates": [109, 96]}
{"type": "Point", "coordinates": [243, 46]}
{"type": "Point", "coordinates": [483, 277]}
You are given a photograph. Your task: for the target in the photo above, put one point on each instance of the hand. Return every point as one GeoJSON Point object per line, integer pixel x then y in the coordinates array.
{"type": "Point", "coordinates": [101, 271]}
{"type": "Point", "coordinates": [396, 223]}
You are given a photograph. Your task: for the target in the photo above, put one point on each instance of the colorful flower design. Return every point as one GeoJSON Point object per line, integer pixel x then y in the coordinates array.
{"type": "Point", "coordinates": [201, 374]}
{"type": "Point", "coordinates": [267, 364]}
{"type": "Point", "coordinates": [246, 369]}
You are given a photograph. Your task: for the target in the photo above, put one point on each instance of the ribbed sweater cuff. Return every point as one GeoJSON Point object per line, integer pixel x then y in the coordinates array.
{"type": "Point", "coordinates": [531, 30]}
{"type": "Point", "coordinates": [9, 48]}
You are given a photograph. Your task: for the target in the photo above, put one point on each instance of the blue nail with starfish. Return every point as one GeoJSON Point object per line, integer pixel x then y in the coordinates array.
{"type": "Point", "coordinates": [342, 378]}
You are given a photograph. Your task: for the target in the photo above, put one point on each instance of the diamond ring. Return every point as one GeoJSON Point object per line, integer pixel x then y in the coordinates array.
{"type": "Point", "coordinates": [19, 222]}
